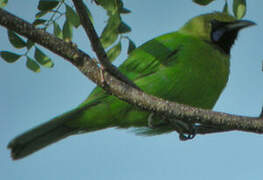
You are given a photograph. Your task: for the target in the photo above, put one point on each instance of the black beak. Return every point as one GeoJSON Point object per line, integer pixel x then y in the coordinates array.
{"type": "Point", "coordinates": [239, 24]}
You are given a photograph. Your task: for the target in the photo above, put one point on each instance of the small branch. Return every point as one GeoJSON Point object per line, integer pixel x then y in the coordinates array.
{"type": "Point", "coordinates": [49, 21]}
{"type": "Point", "coordinates": [96, 44]}
{"type": "Point", "coordinates": [173, 111]}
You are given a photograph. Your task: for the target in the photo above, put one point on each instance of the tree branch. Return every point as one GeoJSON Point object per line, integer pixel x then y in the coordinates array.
{"type": "Point", "coordinates": [96, 44]}
{"type": "Point", "coordinates": [173, 111]}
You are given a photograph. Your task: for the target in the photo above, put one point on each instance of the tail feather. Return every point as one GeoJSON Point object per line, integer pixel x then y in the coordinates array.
{"type": "Point", "coordinates": [48, 133]}
{"type": "Point", "coordinates": [39, 137]}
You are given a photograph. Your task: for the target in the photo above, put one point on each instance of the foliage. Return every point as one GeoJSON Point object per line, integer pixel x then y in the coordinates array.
{"type": "Point", "coordinates": [50, 11]}
{"type": "Point", "coordinates": [3, 3]}
{"type": "Point", "coordinates": [239, 7]}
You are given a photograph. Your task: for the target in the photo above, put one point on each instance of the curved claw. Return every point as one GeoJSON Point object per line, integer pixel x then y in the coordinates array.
{"type": "Point", "coordinates": [186, 133]}
{"type": "Point", "coordinates": [185, 137]}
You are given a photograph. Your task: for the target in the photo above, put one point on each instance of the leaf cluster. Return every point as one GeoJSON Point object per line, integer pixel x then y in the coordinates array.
{"type": "Point", "coordinates": [51, 11]}
{"type": "Point", "coordinates": [239, 7]}
{"type": "Point", "coordinates": [115, 28]}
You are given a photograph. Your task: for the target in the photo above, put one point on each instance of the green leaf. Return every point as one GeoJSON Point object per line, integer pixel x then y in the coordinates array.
{"type": "Point", "coordinates": [9, 56]}
{"type": "Point", "coordinates": [29, 44]}
{"type": "Point", "coordinates": [40, 14]}
{"type": "Point", "coordinates": [113, 28]}
{"type": "Point", "coordinates": [72, 16]}
{"type": "Point", "coordinates": [57, 30]}
{"type": "Point", "coordinates": [225, 9]}
{"type": "Point", "coordinates": [43, 59]}
{"type": "Point", "coordinates": [110, 33]}
{"type": "Point", "coordinates": [114, 52]}
{"type": "Point", "coordinates": [67, 31]}
{"type": "Point", "coordinates": [32, 65]}
{"type": "Point", "coordinates": [124, 28]}
{"type": "Point", "coordinates": [203, 2]}
{"type": "Point", "coordinates": [3, 3]}
{"type": "Point", "coordinates": [39, 22]}
{"type": "Point", "coordinates": [109, 39]}
{"type": "Point", "coordinates": [109, 5]}
{"type": "Point", "coordinates": [239, 8]}
{"type": "Point", "coordinates": [131, 46]}
{"type": "Point", "coordinates": [113, 6]}
{"type": "Point", "coordinates": [15, 40]}
{"type": "Point", "coordinates": [46, 5]}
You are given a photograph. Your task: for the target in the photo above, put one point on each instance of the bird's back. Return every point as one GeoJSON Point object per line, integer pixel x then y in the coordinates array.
{"type": "Point", "coordinates": [174, 66]}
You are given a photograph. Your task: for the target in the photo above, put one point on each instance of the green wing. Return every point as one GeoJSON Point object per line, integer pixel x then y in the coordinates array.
{"type": "Point", "coordinates": [145, 60]}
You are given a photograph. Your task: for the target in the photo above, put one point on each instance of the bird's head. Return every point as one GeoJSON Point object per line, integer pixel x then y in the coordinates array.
{"type": "Point", "coordinates": [218, 28]}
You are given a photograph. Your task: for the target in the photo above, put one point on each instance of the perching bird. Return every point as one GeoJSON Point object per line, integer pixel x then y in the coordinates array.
{"type": "Point", "coordinates": [190, 66]}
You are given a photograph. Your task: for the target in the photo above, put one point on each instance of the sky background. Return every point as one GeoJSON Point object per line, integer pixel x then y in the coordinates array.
{"type": "Point", "coordinates": [28, 99]}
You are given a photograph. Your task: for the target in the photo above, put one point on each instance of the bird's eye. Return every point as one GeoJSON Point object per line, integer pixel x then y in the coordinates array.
{"type": "Point", "coordinates": [216, 35]}
{"type": "Point", "coordinates": [217, 30]}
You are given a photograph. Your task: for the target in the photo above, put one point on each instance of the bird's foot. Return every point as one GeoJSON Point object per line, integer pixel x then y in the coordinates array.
{"type": "Point", "coordinates": [186, 131]}
{"type": "Point", "coordinates": [185, 137]}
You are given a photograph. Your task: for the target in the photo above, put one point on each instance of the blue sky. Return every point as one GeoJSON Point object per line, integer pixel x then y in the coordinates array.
{"type": "Point", "coordinates": [28, 99]}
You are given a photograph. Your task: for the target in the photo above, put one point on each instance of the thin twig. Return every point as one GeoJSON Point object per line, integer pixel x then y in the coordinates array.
{"type": "Point", "coordinates": [96, 44]}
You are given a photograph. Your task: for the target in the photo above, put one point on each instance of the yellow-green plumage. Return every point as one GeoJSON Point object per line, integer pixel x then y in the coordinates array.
{"type": "Point", "coordinates": [184, 66]}
{"type": "Point", "coordinates": [183, 77]}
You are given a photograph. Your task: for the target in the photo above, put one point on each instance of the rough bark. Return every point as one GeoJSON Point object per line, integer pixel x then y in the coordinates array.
{"type": "Point", "coordinates": [123, 88]}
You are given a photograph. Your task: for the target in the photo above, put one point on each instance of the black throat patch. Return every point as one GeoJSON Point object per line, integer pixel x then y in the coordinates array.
{"type": "Point", "coordinates": [222, 37]}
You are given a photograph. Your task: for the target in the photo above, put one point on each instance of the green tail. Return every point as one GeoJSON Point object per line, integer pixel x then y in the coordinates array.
{"type": "Point", "coordinates": [45, 134]}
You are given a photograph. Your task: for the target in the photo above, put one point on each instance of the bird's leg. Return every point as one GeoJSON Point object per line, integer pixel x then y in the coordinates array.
{"type": "Point", "coordinates": [150, 120]}
{"type": "Point", "coordinates": [156, 122]}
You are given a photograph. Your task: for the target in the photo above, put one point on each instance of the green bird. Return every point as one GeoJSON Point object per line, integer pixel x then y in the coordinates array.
{"type": "Point", "coordinates": [189, 66]}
